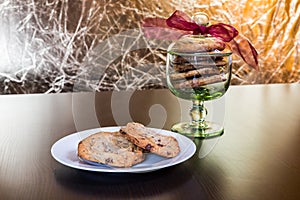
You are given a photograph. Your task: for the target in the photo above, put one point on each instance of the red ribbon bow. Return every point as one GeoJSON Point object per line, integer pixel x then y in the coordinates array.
{"type": "Point", "coordinates": [179, 24]}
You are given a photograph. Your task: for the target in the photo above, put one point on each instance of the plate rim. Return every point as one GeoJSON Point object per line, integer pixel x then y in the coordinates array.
{"type": "Point", "coordinates": [88, 167]}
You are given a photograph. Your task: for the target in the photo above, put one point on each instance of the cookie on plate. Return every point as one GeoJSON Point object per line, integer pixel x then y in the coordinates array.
{"type": "Point", "coordinates": [148, 139]}
{"type": "Point", "coordinates": [110, 148]}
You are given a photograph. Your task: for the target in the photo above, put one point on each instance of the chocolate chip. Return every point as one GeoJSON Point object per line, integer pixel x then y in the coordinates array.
{"type": "Point", "coordinates": [148, 147]}
{"type": "Point", "coordinates": [160, 145]}
{"type": "Point", "coordinates": [109, 160]}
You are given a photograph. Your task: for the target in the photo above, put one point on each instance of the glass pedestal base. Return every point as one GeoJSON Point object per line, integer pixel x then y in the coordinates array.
{"type": "Point", "coordinates": [193, 130]}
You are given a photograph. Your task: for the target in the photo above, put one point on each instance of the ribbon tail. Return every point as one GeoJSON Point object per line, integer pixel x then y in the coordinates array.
{"type": "Point", "coordinates": [224, 31]}
{"type": "Point", "coordinates": [244, 49]}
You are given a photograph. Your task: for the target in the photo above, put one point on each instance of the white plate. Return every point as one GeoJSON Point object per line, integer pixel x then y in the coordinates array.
{"type": "Point", "coordinates": [65, 152]}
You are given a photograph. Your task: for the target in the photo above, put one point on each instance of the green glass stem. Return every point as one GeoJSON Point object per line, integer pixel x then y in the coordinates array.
{"type": "Point", "coordinates": [198, 114]}
{"type": "Point", "coordinates": [198, 127]}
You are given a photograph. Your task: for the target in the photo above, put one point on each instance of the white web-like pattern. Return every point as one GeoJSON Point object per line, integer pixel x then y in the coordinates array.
{"type": "Point", "coordinates": [64, 46]}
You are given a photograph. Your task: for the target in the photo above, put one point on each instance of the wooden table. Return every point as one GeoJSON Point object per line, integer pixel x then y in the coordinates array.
{"type": "Point", "coordinates": [258, 157]}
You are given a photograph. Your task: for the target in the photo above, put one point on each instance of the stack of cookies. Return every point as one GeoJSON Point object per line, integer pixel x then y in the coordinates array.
{"type": "Point", "coordinates": [195, 62]}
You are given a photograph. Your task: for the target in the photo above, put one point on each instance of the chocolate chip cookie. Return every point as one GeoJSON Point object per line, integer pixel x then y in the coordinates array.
{"type": "Point", "coordinates": [148, 139]}
{"type": "Point", "coordinates": [110, 148]}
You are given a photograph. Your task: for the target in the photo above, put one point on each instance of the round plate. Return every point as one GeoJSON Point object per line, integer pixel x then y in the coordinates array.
{"type": "Point", "coordinates": [65, 152]}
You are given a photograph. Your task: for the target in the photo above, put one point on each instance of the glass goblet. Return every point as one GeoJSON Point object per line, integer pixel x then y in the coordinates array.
{"type": "Point", "coordinates": [199, 74]}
